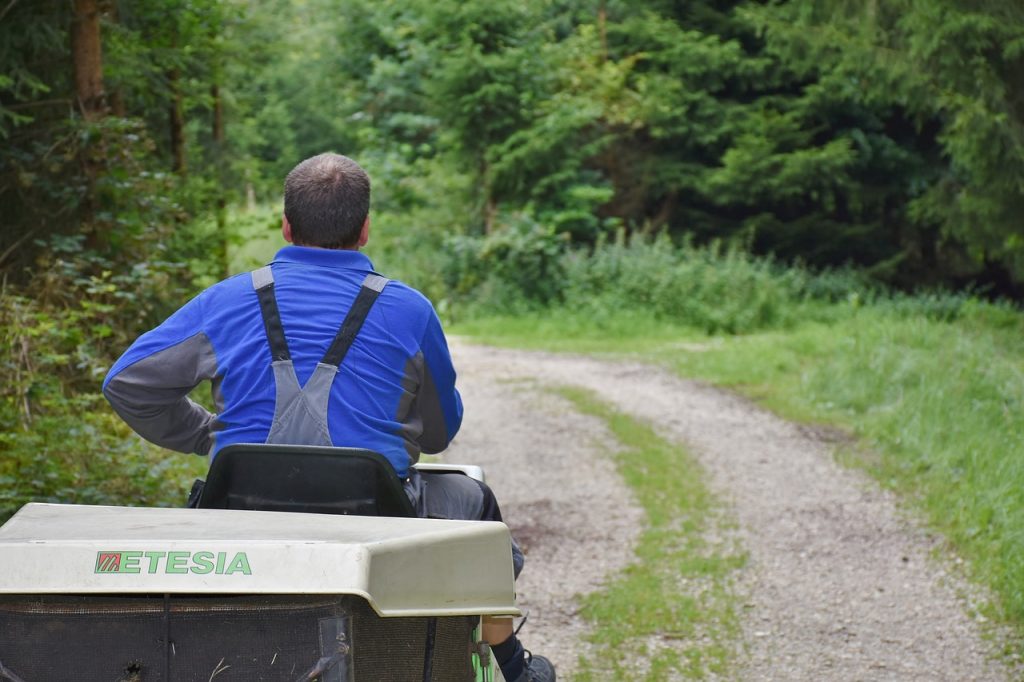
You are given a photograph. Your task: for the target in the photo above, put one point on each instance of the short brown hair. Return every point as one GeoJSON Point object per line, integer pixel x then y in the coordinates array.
{"type": "Point", "coordinates": [326, 201]}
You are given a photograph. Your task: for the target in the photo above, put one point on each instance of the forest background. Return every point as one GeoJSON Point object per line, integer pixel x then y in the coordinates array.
{"type": "Point", "coordinates": [824, 196]}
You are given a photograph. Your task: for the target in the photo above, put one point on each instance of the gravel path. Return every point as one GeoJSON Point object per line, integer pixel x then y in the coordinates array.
{"type": "Point", "coordinates": [839, 583]}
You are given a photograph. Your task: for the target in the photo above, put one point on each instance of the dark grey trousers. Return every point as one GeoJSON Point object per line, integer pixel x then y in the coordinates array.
{"type": "Point", "coordinates": [453, 495]}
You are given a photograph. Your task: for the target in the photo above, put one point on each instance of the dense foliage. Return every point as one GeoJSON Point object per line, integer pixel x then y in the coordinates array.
{"type": "Point", "coordinates": [825, 132]}
{"type": "Point", "coordinates": [887, 134]}
{"type": "Point", "coordinates": [703, 161]}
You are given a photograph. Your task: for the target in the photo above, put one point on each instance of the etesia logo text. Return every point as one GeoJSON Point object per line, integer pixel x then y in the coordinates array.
{"type": "Point", "coordinates": [219, 563]}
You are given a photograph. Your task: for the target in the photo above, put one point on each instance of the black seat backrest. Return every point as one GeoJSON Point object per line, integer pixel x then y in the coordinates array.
{"type": "Point", "coordinates": [304, 478]}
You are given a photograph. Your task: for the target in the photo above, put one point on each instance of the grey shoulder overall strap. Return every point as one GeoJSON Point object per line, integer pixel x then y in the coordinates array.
{"type": "Point", "coordinates": [368, 293]}
{"type": "Point", "coordinates": [263, 283]}
{"type": "Point", "coordinates": [301, 412]}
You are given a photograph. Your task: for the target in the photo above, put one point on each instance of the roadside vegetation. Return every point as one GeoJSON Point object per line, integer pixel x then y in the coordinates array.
{"type": "Point", "coordinates": [928, 388]}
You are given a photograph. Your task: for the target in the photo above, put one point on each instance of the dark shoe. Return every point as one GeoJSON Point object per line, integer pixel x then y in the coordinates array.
{"type": "Point", "coordinates": [538, 669]}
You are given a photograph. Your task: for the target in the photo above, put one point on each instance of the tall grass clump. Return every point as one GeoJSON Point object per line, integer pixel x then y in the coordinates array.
{"type": "Point", "coordinates": [715, 288]}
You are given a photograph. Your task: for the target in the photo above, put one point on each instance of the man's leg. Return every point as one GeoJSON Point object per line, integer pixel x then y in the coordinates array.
{"type": "Point", "coordinates": [457, 496]}
{"type": "Point", "coordinates": [496, 630]}
{"type": "Point", "coordinates": [453, 495]}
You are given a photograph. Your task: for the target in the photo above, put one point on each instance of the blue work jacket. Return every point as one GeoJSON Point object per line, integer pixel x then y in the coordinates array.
{"type": "Point", "coordinates": [394, 392]}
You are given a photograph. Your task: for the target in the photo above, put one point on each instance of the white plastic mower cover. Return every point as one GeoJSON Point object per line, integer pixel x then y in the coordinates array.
{"type": "Point", "coordinates": [402, 567]}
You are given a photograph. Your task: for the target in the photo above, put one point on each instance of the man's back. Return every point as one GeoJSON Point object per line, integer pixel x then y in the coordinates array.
{"type": "Point", "coordinates": [394, 392]}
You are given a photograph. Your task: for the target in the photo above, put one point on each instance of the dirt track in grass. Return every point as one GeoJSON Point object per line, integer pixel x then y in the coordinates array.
{"type": "Point", "coordinates": [840, 584]}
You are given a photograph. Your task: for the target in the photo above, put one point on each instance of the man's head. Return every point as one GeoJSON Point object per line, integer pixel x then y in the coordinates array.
{"type": "Point", "coordinates": [327, 203]}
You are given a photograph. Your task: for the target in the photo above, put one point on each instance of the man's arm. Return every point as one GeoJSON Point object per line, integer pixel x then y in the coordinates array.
{"type": "Point", "coordinates": [149, 385]}
{"type": "Point", "coordinates": [438, 401]}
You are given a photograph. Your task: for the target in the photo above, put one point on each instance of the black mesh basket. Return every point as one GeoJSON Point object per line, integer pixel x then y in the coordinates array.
{"type": "Point", "coordinates": [225, 639]}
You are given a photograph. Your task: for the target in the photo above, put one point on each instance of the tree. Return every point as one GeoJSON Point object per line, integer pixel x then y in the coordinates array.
{"type": "Point", "coordinates": [945, 76]}
{"type": "Point", "coordinates": [87, 58]}
{"type": "Point", "coordinates": [36, 96]}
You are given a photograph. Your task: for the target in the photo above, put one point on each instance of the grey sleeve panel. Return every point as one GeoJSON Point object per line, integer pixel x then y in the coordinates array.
{"type": "Point", "coordinates": [151, 396]}
{"type": "Point", "coordinates": [435, 431]}
{"type": "Point", "coordinates": [408, 415]}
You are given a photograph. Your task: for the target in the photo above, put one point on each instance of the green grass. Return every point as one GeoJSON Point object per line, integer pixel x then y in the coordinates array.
{"type": "Point", "coordinates": [672, 612]}
{"type": "Point", "coordinates": [936, 408]}
{"type": "Point", "coordinates": [574, 331]}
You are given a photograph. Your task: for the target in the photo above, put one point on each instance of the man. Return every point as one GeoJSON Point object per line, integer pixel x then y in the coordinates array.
{"type": "Point", "coordinates": [316, 349]}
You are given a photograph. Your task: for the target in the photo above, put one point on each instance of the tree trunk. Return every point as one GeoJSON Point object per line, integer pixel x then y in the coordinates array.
{"type": "Point", "coordinates": [218, 115]}
{"type": "Point", "coordinates": [218, 153]}
{"type": "Point", "coordinates": [664, 214]}
{"type": "Point", "coordinates": [87, 55]}
{"type": "Point", "coordinates": [117, 107]}
{"type": "Point", "coordinates": [115, 98]}
{"type": "Point", "coordinates": [176, 119]}
{"type": "Point", "coordinates": [490, 215]}
{"type": "Point", "coordinates": [87, 67]}
{"type": "Point", "coordinates": [489, 203]}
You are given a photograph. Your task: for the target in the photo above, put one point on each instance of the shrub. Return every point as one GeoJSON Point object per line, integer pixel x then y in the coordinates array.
{"type": "Point", "coordinates": [59, 440]}
{"type": "Point", "coordinates": [714, 288]}
{"type": "Point", "coordinates": [517, 267]}
{"type": "Point", "coordinates": [124, 256]}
